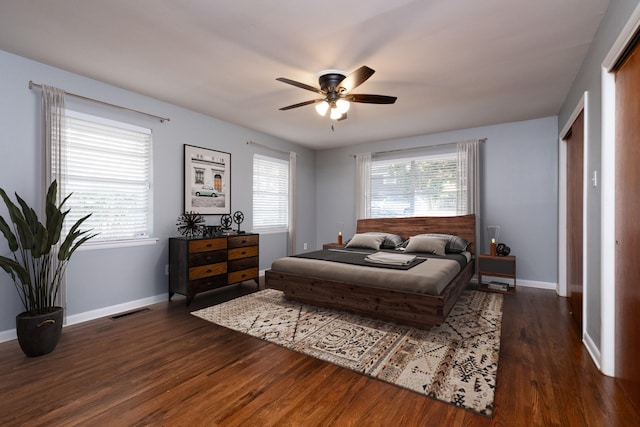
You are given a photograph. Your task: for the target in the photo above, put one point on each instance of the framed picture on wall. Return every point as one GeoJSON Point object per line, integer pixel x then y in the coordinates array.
{"type": "Point", "coordinates": [207, 181]}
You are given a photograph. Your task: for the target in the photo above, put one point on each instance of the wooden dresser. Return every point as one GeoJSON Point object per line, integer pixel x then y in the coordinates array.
{"type": "Point", "coordinates": [201, 264]}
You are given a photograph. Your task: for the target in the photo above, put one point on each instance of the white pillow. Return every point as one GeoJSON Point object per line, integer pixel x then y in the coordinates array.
{"type": "Point", "coordinates": [366, 241]}
{"type": "Point", "coordinates": [430, 245]}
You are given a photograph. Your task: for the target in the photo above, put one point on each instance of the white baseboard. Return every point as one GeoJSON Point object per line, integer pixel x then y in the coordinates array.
{"type": "Point", "coordinates": [528, 284]}
{"type": "Point", "coordinates": [96, 314]}
{"type": "Point", "coordinates": [536, 284]}
{"type": "Point", "coordinates": [8, 335]}
{"type": "Point", "coordinates": [593, 350]}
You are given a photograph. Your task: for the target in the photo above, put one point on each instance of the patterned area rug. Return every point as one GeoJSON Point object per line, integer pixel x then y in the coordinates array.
{"type": "Point", "coordinates": [455, 362]}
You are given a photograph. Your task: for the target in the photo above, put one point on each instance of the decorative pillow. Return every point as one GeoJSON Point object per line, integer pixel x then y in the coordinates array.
{"type": "Point", "coordinates": [391, 241]}
{"type": "Point", "coordinates": [455, 244]}
{"type": "Point", "coordinates": [366, 241]}
{"type": "Point", "coordinates": [427, 244]}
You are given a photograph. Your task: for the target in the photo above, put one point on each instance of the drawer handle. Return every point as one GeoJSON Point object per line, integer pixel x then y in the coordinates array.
{"type": "Point", "coordinates": [243, 275]}
{"type": "Point", "coordinates": [209, 271]}
{"type": "Point", "coordinates": [244, 241]}
{"type": "Point", "coordinates": [208, 245]}
{"type": "Point", "coordinates": [244, 252]}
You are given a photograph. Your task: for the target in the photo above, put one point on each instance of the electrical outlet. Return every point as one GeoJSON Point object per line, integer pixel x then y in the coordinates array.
{"type": "Point", "coordinates": [166, 269]}
{"type": "Point", "coordinates": [305, 246]}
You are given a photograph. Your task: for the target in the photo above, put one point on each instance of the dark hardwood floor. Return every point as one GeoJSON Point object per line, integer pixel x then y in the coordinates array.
{"type": "Point", "coordinates": [163, 366]}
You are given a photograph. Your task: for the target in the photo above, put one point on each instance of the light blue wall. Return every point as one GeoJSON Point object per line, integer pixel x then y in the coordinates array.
{"type": "Point", "coordinates": [109, 277]}
{"type": "Point", "coordinates": [519, 189]}
{"type": "Point", "coordinates": [589, 79]}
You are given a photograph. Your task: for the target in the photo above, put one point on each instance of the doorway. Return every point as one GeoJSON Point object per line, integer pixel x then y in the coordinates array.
{"type": "Point", "coordinates": [574, 141]}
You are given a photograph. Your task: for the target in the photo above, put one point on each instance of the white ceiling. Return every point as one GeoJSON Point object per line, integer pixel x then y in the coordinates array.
{"type": "Point", "coordinates": [453, 64]}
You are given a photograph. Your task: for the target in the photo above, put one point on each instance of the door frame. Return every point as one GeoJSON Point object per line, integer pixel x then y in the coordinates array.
{"type": "Point", "coordinates": [562, 290]}
{"type": "Point", "coordinates": [608, 201]}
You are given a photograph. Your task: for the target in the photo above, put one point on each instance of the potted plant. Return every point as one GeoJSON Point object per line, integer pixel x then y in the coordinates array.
{"type": "Point", "coordinates": [38, 266]}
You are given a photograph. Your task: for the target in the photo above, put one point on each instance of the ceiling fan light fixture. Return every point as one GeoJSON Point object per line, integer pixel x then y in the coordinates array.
{"type": "Point", "coordinates": [335, 113]}
{"type": "Point", "coordinates": [322, 108]}
{"type": "Point", "coordinates": [342, 105]}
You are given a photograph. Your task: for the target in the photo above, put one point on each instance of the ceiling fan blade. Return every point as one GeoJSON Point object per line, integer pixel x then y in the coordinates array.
{"type": "Point", "coordinates": [371, 99]}
{"type": "Point", "coordinates": [300, 85]}
{"type": "Point", "coordinates": [301, 104]}
{"type": "Point", "coordinates": [356, 78]}
{"type": "Point", "coordinates": [343, 117]}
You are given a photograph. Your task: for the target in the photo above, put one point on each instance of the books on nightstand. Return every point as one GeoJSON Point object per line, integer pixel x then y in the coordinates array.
{"type": "Point", "coordinates": [498, 286]}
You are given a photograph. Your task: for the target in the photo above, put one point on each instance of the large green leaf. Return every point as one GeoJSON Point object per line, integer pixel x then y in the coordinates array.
{"type": "Point", "coordinates": [67, 247]}
{"type": "Point", "coordinates": [13, 268]}
{"type": "Point", "coordinates": [8, 234]}
{"type": "Point", "coordinates": [24, 232]}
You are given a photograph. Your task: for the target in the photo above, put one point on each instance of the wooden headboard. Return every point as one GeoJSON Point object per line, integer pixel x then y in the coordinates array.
{"type": "Point", "coordinates": [463, 226]}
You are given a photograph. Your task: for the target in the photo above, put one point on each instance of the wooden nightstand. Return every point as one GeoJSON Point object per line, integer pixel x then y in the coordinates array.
{"type": "Point", "coordinates": [497, 266]}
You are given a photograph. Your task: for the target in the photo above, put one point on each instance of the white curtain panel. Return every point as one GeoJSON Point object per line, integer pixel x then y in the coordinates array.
{"type": "Point", "coordinates": [292, 203]}
{"type": "Point", "coordinates": [363, 185]}
{"type": "Point", "coordinates": [469, 179]}
{"type": "Point", "coordinates": [53, 120]}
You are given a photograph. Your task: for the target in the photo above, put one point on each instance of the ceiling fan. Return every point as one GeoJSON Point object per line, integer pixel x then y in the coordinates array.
{"type": "Point", "coordinates": [336, 87]}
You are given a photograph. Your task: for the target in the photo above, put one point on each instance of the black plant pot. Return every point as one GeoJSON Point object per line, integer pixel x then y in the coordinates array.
{"type": "Point", "coordinates": [39, 334]}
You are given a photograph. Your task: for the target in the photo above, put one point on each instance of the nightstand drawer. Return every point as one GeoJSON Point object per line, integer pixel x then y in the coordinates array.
{"type": "Point", "coordinates": [499, 266]}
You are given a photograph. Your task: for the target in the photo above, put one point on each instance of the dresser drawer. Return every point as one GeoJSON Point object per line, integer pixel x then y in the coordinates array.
{"type": "Point", "coordinates": [207, 270]}
{"type": "Point", "coordinates": [207, 245]}
{"type": "Point", "coordinates": [242, 264]}
{"type": "Point", "coordinates": [242, 275]}
{"type": "Point", "coordinates": [241, 241]}
{"type": "Point", "coordinates": [203, 258]}
{"type": "Point", "coordinates": [207, 283]}
{"type": "Point", "coordinates": [243, 252]}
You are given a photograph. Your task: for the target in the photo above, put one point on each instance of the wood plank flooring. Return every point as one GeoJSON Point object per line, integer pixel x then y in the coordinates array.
{"type": "Point", "coordinates": [163, 366]}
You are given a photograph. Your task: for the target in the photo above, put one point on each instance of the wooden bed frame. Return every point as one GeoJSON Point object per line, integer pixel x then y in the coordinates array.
{"type": "Point", "coordinates": [409, 308]}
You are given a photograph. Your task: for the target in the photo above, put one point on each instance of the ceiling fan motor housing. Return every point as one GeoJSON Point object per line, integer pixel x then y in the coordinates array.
{"type": "Point", "coordinates": [329, 82]}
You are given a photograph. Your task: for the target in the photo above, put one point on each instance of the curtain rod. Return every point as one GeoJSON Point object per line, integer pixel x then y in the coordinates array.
{"type": "Point", "coordinates": [162, 119]}
{"type": "Point", "coordinates": [481, 140]}
{"type": "Point", "coordinates": [268, 148]}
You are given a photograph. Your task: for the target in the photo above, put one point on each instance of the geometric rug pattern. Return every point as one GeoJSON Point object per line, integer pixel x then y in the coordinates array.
{"type": "Point", "coordinates": [455, 362]}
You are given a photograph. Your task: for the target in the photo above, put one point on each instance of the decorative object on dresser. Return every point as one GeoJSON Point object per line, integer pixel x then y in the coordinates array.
{"type": "Point", "coordinates": [202, 264]}
{"type": "Point", "coordinates": [502, 266]}
{"type": "Point", "coordinates": [207, 181]}
{"type": "Point", "coordinates": [190, 224]}
{"type": "Point", "coordinates": [225, 222]}
{"type": "Point", "coordinates": [238, 217]}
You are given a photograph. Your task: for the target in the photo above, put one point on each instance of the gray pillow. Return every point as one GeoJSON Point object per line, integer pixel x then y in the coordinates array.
{"type": "Point", "coordinates": [427, 244]}
{"type": "Point", "coordinates": [455, 244]}
{"type": "Point", "coordinates": [366, 241]}
{"type": "Point", "coordinates": [391, 241]}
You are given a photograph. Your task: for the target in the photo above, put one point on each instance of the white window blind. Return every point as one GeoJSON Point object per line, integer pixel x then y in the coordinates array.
{"type": "Point", "coordinates": [108, 170]}
{"type": "Point", "coordinates": [270, 194]}
{"type": "Point", "coordinates": [417, 186]}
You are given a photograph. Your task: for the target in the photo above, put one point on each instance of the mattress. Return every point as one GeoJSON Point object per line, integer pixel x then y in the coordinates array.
{"type": "Point", "coordinates": [429, 277]}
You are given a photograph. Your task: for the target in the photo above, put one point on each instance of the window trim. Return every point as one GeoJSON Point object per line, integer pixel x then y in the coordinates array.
{"type": "Point", "coordinates": [282, 228]}
{"type": "Point", "coordinates": [439, 153]}
{"type": "Point", "coordinates": [148, 238]}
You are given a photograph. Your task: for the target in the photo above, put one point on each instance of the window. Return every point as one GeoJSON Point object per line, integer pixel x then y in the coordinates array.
{"type": "Point", "coordinates": [417, 186]}
{"type": "Point", "coordinates": [270, 194]}
{"type": "Point", "coordinates": [108, 170]}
